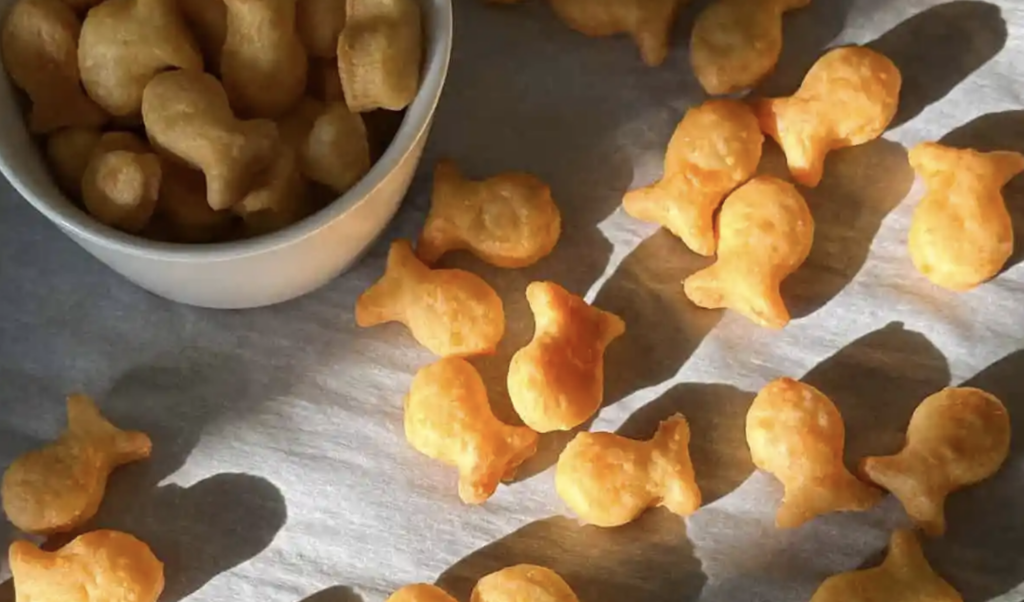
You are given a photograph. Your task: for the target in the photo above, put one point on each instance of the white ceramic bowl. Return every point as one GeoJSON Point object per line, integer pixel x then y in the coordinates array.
{"type": "Point", "coordinates": [260, 271]}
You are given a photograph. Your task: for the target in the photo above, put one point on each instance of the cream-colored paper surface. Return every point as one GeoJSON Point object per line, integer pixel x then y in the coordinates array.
{"type": "Point", "coordinates": [280, 468]}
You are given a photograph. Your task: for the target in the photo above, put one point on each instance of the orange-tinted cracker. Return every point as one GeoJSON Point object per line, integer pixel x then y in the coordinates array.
{"type": "Point", "coordinates": [39, 44]}
{"type": "Point", "coordinates": [765, 232]}
{"type": "Point", "coordinates": [796, 433]}
{"type": "Point", "coordinates": [188, 116]}
{"type": "Point", "coordinates": [380, 52]}
{"type": "Point", "coordinates": [848, 98]}
{"type": "Point", "coordinates": [961, 234]}
{"type": "Point", "coordinates": [904, 576]}
{"type": "Point", "coordinates": [736, 43]}
{"type": "Point", "coordinates": [556, 382]}
{"type": "Point", "coordinates": [715, 148]}
{"type": "Point", "coordinates": [124, 43]}
{"type": "Point", "coordinates": [523, 583]}
{"type": "Point", "coordinates": [263, 63]}
{"type": "Point", "coordinates": [649, 22]}
{"type": "Point", "coordinates": [420, 592]}
{"type": "Point", "coordinates": [508, 220]}
{"type": "Point", "coordinates": [101, 566]}
{"type": "Point", "coordinates": [609, 480]}
{"type": "Point", "coordinates": [453, 313]}
{"type": "Point", "coordinates": [448, 418]}
{"type": "Point", "coordinates": [59, 487]}
{"type": "Point", "coordinates": [956, 438]}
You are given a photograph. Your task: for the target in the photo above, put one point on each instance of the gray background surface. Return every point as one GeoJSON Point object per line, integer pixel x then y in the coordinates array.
{"type": "Point", "coordinates": [281, 472]}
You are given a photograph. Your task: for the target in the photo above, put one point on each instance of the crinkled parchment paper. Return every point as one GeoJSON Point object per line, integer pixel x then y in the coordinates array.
{"type": "Point", "coordinates": [281, 472]}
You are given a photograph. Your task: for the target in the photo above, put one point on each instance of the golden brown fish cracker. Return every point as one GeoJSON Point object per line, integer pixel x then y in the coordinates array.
{"type": "Point", "coordinates": [956, 438]}
{"type": "Point", "coordinates": [796, 433]}
{"type": "Point", "coordinates": [765, 232]}
{"type": "Point", "coordinates": [101, 566]}
{"type": "Point", "coordinates": [448, 418]}
{"type": "Point", "coordinates": [961, 234]}
{"type": "Point", "coordinates": [904, 576]}
{"type": "Point", "coordinates": [420, 592]}
{"type": "Point", "coordinates": [609, 480]}
{"type": "Point", "coordinates": [521, 583]}
{"type": "Point", "coordinates": [509, 220]}
{"type": "Point", "coordinates": [556, 382]}
{"type": "Point", "coordinates": [453, 313]}
{"type": "Point", "coordinates": [736, 43]}
{"type": "Point", "coordinates": [59, 487]}
{"type": "Point", "coordinates": [715, 148]}
{"type": "Point", "coordinates": [848, 98]}
{"type": "Point", "coordinates": [649, 22]}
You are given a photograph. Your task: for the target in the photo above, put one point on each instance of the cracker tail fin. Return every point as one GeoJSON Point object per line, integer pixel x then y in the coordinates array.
{"type": "Point", "coordinates": [674, 467]}
{"type": "Point", "coordinates": [925, 505]}
{"type": "Point", "coordinates": [611, 327]}
{"type": "Point", "coordinates": [520, 444]}
{"type": "Point", "coordinates": [842, 492]}
{"type": "Point", "coordinates": [679, 207]}
{"type": "Point", "coordinates": [1008, 165]}
{"type": "Point", "coordinates": [437, 237]}
{"type": "Point", "coordinates": [767, 308]}
{"type": "Point", "coordinates": [706, 289]}
{"type": "Point", "coordinates": [383, 301]}
{"type": "Point", "coordinates": [805, 150]}
{"type": "Point", "coordinates": [85, 421]}
{"type": "Point", "coordinates": [653, 28]}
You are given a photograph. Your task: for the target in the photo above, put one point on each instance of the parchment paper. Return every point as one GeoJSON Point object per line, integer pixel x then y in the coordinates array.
{"type": "Point", "coordinates": [281, 472]}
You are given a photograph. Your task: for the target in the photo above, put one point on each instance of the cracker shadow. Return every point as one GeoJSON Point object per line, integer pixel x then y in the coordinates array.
{"type": "Point", "coordinates": [985, 526]}
{"type": "Point", "coordinates": [991, 132]}
{"type": "Point", "coordinates": [650, 559]}
{"type": "Point", "coordinates": [862, 185]}
{"type": "Point", "coordinates": [876, 382]}
{"type": "Point", "coordinates": [337, 593]}
{"type": "Point", "coordinates": [718, 446]}
{"type": "Point", "coordinates": [662, 328]}
{"type": "Point", "coordinates": [806, 32]}
{"type": "Point", "coordinates": [940, 47]}
{"type": "Point", "coordinates": [199, 531]}
{"type": "Point", "coordinates": [211, 526]}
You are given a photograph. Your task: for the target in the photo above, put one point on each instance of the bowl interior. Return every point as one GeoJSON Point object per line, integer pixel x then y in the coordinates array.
{"type": "Point", "coordinates": [21, 161]}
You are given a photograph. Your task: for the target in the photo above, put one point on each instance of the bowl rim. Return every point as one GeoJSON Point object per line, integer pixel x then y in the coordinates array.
{"type": "Point", "coordinates": [414, 126]}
